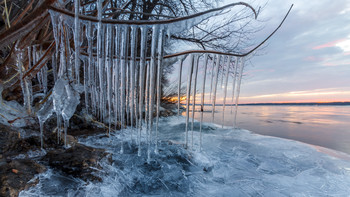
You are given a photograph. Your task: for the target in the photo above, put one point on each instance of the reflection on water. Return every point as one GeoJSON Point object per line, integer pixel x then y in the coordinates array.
{"type": "Point", "coordinates": [327, 126]}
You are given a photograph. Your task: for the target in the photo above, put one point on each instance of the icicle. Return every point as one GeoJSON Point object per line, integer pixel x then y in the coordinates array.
{"type": "Point", "coordinates": [59, 127]}
{"type": "Point", "coordinates": [28, 83]}
{"type": "Point", "coordinates": [238, 90]}
{"type": "Point", "coordinates": [234, 82]}
{"type": "Point", "coordinates": [66, 125]}
{"type": "Point", "coordinates": [216, 84]}
{"type": "Point", "coordinates": [89, 65]}
{"type": "Point", "coordinates": [100, 62]}
{"type": "Point", "coordinates": [38, 75]}
{"type": "Point", "coordinates": [147, 105]}
{"type": "Point", "coordinates": [142, 79]}
{"type": "Point", "coordinates": [41, 123]}
{"type": "Point", "coordinates": [194, 98]}
{"type": "Point", "coordinates": [132, 77]}
{"type": "Point", "coordinates": [43, 114]}
{"type": "Point", "coordinates": [225, 89]}
{"type": "Point", "coordinates": [104, 75]}
{"type": "Point", "coordinates": [155, 32]}
{"type": "Point", "coordinates": [202, 100]}
{"type": "Point", "coordinates": [70, 57]}
{"type": "Point", "coordinates": [222, 75]}
{"type": "Point", "coordinates": [123, 79]}
{"type": "Point", "coordinates": [188, 95]}
{"type": "Point", "coordinates": [159, 78]}
{"type": "Point", "coordinates": [127, 93]}
{"type": "Point", "coordinates": [212, 77]}
{"type": "Point", "coordinates": [109, 58]}
{"type": "Point", "coordinates": [95, 96]}
{"type": "Point", "coordinates": [77, 40]}
{"type": "Point", "coordinates": [179, 88]}
{"type": "Point", "coordinates": [54, 67]}
{"type": "Point", "coordinates": [55, 28]}
{"type": "Point", "coordinates": [86, 91]}
{"type": "Point", "coordinates": [117, 73]}
{"type": "Point", "coordinates": [63, 62]}
{"type": "Point", "coordinates": [44, 78]}
{"type": "Point", "coordinates": [24, 84]}
{"type": "Point", "coordinates": [136, 92]}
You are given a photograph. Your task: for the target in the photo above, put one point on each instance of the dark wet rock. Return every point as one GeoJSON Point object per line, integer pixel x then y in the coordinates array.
{"type": "Point", "coordinates": [83, 132]}
{"type": "Point", "coordinates": [17, 175]}
{"type": "Point", "coordinates": [169, 109]}
{"type": "Point", "coordinates": [166, 113]}
{"type": "Point", "coordinates": [79, 161]}
{"type": "Point", "coordinates": [7, 137]}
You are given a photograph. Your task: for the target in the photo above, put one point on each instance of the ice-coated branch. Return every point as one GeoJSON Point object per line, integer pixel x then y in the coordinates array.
{"type": "Point", "coordinates": [153, 22]}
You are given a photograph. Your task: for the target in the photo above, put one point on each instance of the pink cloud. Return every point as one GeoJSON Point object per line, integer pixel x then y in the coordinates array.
{"type": "Point", "coordinates": [313, 59]}
{"type": "Point", "coordinates": [336, 64]}
{"type": "Point", "coordinates": [329, 44]}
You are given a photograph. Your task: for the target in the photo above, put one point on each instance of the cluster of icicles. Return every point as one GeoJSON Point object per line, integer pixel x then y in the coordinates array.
{"type": "Point", "coordinates": [218, 64]}
{"type": "Point", "coordinates": [121, 85]}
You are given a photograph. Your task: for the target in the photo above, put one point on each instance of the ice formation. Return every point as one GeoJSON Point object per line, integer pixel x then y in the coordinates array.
{"type": "Point", "coordinates": [121, 75]}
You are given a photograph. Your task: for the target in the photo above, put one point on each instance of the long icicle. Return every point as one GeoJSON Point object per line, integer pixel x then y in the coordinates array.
{"type": "Point", "coordinates": [225, 89]}
{"type": "Point", "coordinates": [202, 100]}
{"type": "Point", "coordinates": [86, 95]}
{"type": "Point", "coordinates": [89, 65]}
{"type": "Point", "coordinates": [123, 80]}
{"type": "Point", "coordinates": [99, 55]}
{"type": "Point", "coordinates": [188, 95]}
{"type": "Point", "coordinates": [77, 40]}
{"type": "Point", "coordinates": [215, 86]}
{"type": "Point", "coordinates": [142, 79]}
{"type": "Point", "coordinates": [194, 99]}
{"type": "Point", "coordinates": [109, 47]}
{"type": "Point", "coordinates": [159, 78]}
{"type": "Point", "coordinates": [234, 82]}
{"type": "Point", "coordinates": [238, 90]}
{"type": "Point", "coordinates": [212, 77]}
{"type": "Point", "coordinates": [147, 103]}
{"type": "Point", "coordinates": [155, 32]}
{"type": "Point", "coordinates": [179, 87]}
{"type": "Point", "coordinates": [132, 77]}
{"type": "Point", "coordinates": [24, 84]}
{"type": "Point", "coordinates": [117, 74]}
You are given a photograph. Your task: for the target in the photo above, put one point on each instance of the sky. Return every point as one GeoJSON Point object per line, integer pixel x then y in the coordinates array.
{"type": "Point", "coordinates": [307, 60]}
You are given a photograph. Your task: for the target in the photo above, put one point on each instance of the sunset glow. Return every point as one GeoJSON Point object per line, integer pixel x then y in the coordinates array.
{"type": "Point", "coordinates": [321, 95]}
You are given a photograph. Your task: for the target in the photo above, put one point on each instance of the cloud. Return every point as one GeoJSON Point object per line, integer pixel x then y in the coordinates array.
{"type": "Point", "coordinates": [329, 44]}
{"type": "Point", "coordinates": [330, 94]}
{"type": "Point", "coordinates": [309, 52]}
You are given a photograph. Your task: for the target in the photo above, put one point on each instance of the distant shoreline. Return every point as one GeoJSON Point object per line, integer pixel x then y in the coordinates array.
{"type": "Point", "coordinates": [285, 104]}
{"type": "Point", "coordinates": [301, 104]}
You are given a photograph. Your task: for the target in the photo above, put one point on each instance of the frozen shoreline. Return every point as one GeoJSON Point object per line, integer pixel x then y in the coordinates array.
{"type": "Point", "coordinates": [233, 162]}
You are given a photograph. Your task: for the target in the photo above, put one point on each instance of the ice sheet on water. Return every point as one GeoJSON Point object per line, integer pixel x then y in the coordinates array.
{"type": "Point", "coordinates": [232, 163]}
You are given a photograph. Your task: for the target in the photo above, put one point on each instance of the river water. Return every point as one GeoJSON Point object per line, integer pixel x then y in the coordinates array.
{"type": "Point", "coordinates": [326, 126]}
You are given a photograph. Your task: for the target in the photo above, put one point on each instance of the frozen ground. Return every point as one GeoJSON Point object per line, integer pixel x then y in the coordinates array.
{"type": "Point", "coordinates": [232, 163]}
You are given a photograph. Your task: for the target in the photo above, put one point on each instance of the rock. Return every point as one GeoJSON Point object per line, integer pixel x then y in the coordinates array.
{"type": "Point", "coordinates": [15, 176]}
{"type": "Point", "coordinates": [79, 161]}
{"type": "Point", "coordinates": [8, 137]}
{"type": "Point", "coordinates": [83, 132]}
